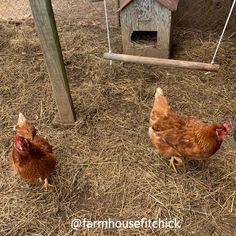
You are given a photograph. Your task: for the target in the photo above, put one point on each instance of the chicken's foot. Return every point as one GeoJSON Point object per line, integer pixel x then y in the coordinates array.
{"type": "Point", "coordinates": [46, 184]}
{"type": "Point", "coordinates": [173, 164]}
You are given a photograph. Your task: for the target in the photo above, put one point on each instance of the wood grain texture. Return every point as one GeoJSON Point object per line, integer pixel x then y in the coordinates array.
{"type": "Point", "coordinates": [47, 32]}
{"type": "Point", "coordinates": [162, 62]}
{"type": "Point", "coordinates": [169, 4]}
{"type": "Point", "coordinates": [159, 21]}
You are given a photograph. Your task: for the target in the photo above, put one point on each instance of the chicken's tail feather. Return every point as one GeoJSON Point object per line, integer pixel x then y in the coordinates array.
{"type": "Point", "coordinates": [21, 118]}
{"type": "Point", "coordinates": [159, 91]}
{"type": "Point", "coordinates": [160, 103]}
{"type": "Point", "coordinates": [160, 106]}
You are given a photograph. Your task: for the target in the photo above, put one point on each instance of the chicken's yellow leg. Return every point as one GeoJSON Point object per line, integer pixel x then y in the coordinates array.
{"type": "Point", "coordinates": [46, 184]}
{"type": "Point", "coordinates": [173, 164]}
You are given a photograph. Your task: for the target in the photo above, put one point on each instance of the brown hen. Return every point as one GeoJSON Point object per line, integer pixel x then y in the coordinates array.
{"type": "Point", "coordinates": [175, 135]}
{"type": "Point", "coordinates": [32, 156]}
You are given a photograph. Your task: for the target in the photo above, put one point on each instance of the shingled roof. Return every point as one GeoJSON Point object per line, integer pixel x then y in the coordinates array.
{"type": "Point", "coordinates": [170, 4]}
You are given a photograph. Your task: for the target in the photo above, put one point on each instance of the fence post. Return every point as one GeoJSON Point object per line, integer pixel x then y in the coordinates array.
{"type": "Point", "coordinates": [46, 28]}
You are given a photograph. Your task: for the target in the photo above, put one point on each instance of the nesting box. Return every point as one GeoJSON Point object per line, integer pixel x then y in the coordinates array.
{"type": "Point", "coordinates": [146, 26]}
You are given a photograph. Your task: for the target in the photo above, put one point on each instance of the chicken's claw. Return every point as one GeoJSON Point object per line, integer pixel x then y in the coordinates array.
{"type": "Point", "coordinates": [173, 164]}
{"type": "Point", "coordinates": [46, 185]}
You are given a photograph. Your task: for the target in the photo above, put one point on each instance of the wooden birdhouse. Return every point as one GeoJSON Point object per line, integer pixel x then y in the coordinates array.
{"type": "Point", "coordinates": [146, 26]}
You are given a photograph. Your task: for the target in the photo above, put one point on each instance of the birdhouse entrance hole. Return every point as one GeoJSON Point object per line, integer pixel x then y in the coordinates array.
{"type": "Point", "coordinates": [144, 37]}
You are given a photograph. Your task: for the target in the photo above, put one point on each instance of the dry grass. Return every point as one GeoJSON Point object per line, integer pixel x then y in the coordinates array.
{"type": "Point", "coordinates": [106, 165]}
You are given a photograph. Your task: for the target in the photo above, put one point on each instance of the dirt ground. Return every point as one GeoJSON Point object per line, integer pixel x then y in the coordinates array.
{"type": "Point", "coordinates": [106, 166]}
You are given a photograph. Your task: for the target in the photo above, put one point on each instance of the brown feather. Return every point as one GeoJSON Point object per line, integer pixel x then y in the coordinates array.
{"type": "Point", "coordinates": [173, 134]}
{"type": "Point", "coordinates": [32, 156]}
{"type": "Point", "coordinates": [36, 163]}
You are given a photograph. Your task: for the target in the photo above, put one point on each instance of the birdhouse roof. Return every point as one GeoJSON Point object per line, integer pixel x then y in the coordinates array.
{"type": "Point", "coordinates": [170, 4]}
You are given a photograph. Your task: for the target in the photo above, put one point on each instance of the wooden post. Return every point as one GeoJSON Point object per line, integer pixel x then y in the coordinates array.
{"type": "Point", "coordinates": [46, 28]}
{"type": "Point", "coordinates": [162, 62]}
{"type": "Point", "coordinates": [118, 13]}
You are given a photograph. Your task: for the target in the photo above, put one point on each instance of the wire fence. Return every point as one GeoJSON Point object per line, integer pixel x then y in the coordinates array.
{"type": "Point", "coordinates": [66, 12]}
{"type": "Point", "coordinates": [204, 14]}
{"type": "Point", "coordinates": [201, 14]}
{"type": "Point", "coordinates": [14, 10]}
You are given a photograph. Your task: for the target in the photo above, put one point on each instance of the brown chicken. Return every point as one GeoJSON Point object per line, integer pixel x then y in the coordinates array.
{"type": "Point", "coordinates": [175, 135]}
{"type": "Point", "coordinates": [32, 156]}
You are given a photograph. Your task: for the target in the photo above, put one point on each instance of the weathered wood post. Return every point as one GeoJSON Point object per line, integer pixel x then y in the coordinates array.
{"type": "Point", "coordinates": [46, 28]}
{"type": "Point", "coordinates": [118, 13]}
